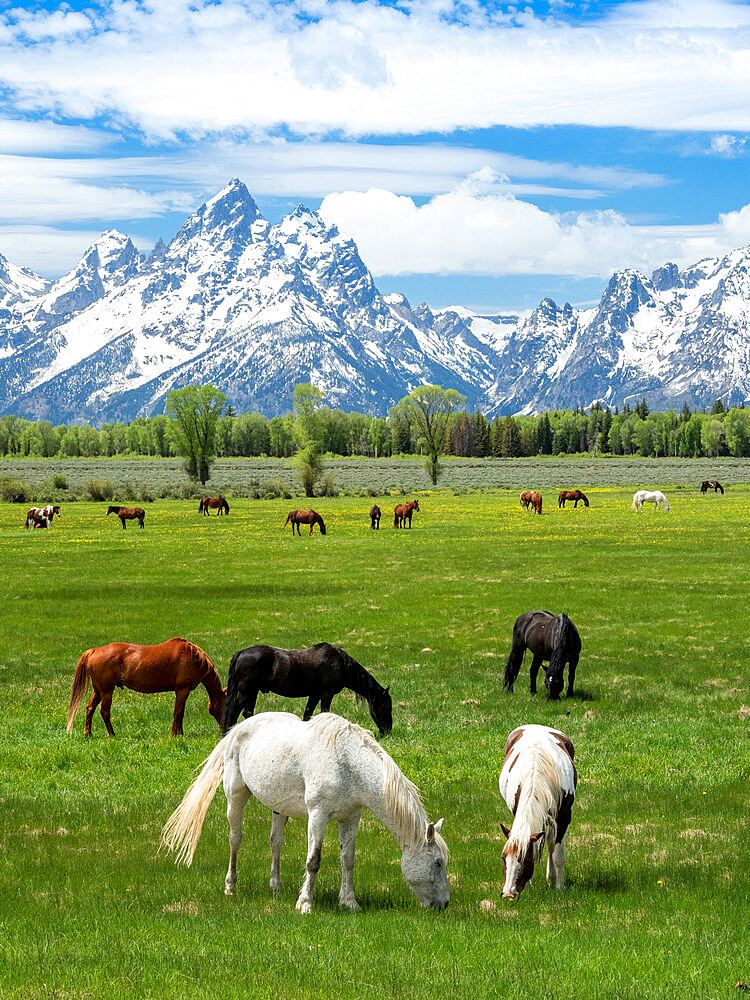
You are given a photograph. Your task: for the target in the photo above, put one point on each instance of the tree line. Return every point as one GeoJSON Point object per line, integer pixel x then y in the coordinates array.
{"type": "Point", "coordinates": [598, 431]}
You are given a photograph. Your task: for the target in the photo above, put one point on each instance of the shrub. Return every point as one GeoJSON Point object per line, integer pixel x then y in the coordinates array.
{"type": "Point", "coordinates": [59, 481]}
{"type": "Point", "coordinates": [14, 490]}
{"type": "Point", "coordinates": [275, 489]}
{"type": "Point", "coordinates": [328, 486]}
{"type": "Point", "coordinates": [101, 489]}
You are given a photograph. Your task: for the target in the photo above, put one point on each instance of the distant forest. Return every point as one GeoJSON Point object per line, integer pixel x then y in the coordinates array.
{"type": "Point", "coordinates": [598, 431]}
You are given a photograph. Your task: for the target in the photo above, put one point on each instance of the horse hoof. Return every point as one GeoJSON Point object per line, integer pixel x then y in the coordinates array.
{"type": "Point", "coordinates": [228, 890]}
{"type": "Point", "coordinates": [351, 904]}
{"type": "Point", "coordinates": [304, 907]}
{"type": "Point", "coordinates": [275, 887]}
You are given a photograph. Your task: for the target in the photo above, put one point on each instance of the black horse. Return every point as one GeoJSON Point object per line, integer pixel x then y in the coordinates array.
{"type": "Point", "coordinates": [549, 637]}
{"type": "Point", "coordinates": [317, 673]}
{"type": "Point", "coordinates": [375, 515]}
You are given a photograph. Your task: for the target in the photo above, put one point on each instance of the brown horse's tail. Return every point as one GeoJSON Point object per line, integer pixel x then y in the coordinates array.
{"type": "Point", "coordinates": [200, 506]}
{"type": "Point", "coordinates": [183, 828]}
{"type": "Point", "coordinates": [395, 520]}
{"type": "Point", "coordinates": [80, 681]}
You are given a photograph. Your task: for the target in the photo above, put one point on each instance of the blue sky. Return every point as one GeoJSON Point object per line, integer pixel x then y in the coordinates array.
{"type": "Point", "coordinates": [482, 154]}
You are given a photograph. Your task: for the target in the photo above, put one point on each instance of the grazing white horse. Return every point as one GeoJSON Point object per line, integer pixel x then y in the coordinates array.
{"type": "Point", "coordinates": [538, 782]}
{"type": "Point", "coordinates": [324, 769]}
{"type": "Point", "coordinates": [656, 497]}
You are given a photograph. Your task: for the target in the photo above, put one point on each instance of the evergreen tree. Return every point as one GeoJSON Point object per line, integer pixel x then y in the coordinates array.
{"type": "Point", "coordinates": [510, 445]}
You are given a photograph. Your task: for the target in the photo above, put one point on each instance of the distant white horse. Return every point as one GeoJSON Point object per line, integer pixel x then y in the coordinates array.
{"type": "Point", "coordinates": [538, 782]}
{"type": "Point", "coordinates": [324, 769]}
{"type": "Point", "coordinates": [656, 497]}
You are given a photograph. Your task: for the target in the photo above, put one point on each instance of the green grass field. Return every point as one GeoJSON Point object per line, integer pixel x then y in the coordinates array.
{"type": "Point", "coordinates": [658, 863]}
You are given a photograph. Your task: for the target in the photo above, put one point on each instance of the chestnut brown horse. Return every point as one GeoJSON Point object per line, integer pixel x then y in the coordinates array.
{"type": "Point", "coordinates": [311, 517]}
{"type": "Point", "coordinates": [535, 502]}
{"type": "Point", "coordinates": [127, 514]}
{"type": "Point", "coordinates": [375, 515]}
{"type": "Point", "coordinates": [526, 499]}
{"type": "Point", "coordinates": [711, 484]}
{"type": "Point", "coordinates": [213, 503]}
{"type": "Point", "coordinates": [175, 665]}
{"type": "Point", "coordinates": [571, 495]}
{"type": "Point", "coordinates": [403, 512]}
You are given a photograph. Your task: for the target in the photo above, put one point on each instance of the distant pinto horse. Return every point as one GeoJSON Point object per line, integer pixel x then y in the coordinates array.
{"type": "Point", "coordinates": [213, 503]}
{"type": "Point", "coordinates": [571, 495]}
{"type": "Point", "coordinates": [711, 484]}
{"type": "Point", "coordinates": [538, 782]}
{"type": "Point", "coordinates": [656, 497]}
{"type": "Point", "coordinates": [127, 514]}
{"type": "Point", "coordinates": [317, 673]}
{"type": "Point", "coordinates": [549, 637]}
{"type": "Point", "coordinates": [48, 513]}
{"type": "Point", "coordinates": [375, 515]}
{"type": "Point", "coordinates": [311, 517]}
{"type": "Point", "coordinates": [175, 665]}
{"type": "Point", "coordinates": [403, 512]}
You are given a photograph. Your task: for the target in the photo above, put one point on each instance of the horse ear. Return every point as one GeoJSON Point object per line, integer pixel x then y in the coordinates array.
{"type": "Point", "coordinates": [505, 830]}
{"type": "Point", "coordinates": [535, 836]}
{"type": "Point", "coordinates": [439, 824]}
{"type": "Point", "coordinates": [430, 834]}
{"type": "Point", "coordinates": [388, 689]}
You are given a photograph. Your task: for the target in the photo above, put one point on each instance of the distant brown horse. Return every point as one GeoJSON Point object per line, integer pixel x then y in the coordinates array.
{"type": "Point", "coordinates": [127, 514]}
{"type": "Point", "coordinates": [311, 517]}
{"type": "Point", "coordinates": [213, 503]}
{"type": "Point", "coordinates": [711, 484]}
{"type": "Point", "coordinates": [175, 665]}
{"type": "Point", "coordinates": [571, 495]}
{"type": "Point", "coordinates": [526, 499]}
{"type": "Point", "coordinates": [535, 502]}
{"type": "Point", "coordinates": [403, 512]}
{"type": "Point", "coordinates": [47, 512]}
{"type": "Point", "coordinates": [375, 515]}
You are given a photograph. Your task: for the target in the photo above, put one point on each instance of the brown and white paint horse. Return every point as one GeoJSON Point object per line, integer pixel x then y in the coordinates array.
{"type": "Point", "coordinates": [711, 484]}
{"type": "Point", "coordinates": [48, 512]}
{"type": "Point", "coordinates": [538, 782]}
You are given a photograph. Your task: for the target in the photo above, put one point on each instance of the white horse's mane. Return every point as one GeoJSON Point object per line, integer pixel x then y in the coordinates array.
{"type": "Point", "coordinates": [402, 798]}
{"type": "Point", "coordinates": [541, 793]}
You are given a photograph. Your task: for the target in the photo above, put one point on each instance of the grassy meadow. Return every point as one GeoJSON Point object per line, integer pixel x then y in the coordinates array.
{"type": "Point", "coordinates": [658, 866]}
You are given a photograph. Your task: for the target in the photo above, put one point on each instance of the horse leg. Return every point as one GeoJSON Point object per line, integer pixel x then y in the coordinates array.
{"type": "Point", "coordinates": [316, 828]}
{"type": "Point", "coordinates": [237, 794]}
{"type": "Point", "coordinates": [278, 822]}
{"type": "Point", "coordinates": [180, 697]}
{"type": "Point", "coordinates": [513, 665]}
{"type": "Point", "coordinates": [248, 708]}
{"type": "Point", "coordinates": [325, 701]}
{"type": "Point", "coordinates": [90, 709]}
{"type": "Point", "coordinates": [105, 707]}
{"type": "Point", "coordinates": [124, 526]}
{"type": "Point", "coordinates": [571, 675]}
{"type": "Point", "coordinates": [347, 837]}
{"type": "Point", "coordinates": [535, 665]}
{"type": "Point", "coordinates": [551, 865]}
{"type": "Point", "coordinates": [312, 703]}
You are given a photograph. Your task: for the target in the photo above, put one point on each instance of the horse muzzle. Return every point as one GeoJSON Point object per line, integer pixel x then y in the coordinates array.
{"type": "Point", "coordinates": [510, 895]}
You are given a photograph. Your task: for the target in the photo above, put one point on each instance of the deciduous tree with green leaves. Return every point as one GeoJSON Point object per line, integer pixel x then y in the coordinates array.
{"type": "Point", "coordinates": [429, 408]}
{"type": "Point", "coordinates": [196, 410]}
{"type": "Point", "coordinates": [306, 399]}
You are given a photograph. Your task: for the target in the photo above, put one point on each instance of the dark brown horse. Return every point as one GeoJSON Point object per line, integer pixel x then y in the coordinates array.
{"type": "Point", "coordinates": [375, 514]}
{"type": "Point", "coordinates": [711, 484]}
{"type": "Point", "coordinates": [549, 637]}
{"type": "Point", "coordinates": [127, 514]}
{"type": "Point", "coordinates": [317, 673]}
{"type": "Point", "coordinates": [311, 517]}
{"type": "Point", "coordinates": [175, 665]}
{"type": "Point", "coordinates": [571, 495]}
{"type": "Point", "coordinates": [403, 513]}
{"type": "Point", "coordinates": [213, 503]}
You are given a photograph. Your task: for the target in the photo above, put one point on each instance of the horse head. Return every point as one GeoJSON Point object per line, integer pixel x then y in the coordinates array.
{"type": "Point", "coordinates": [321, 525]}
{"type": "Point", "coordinates": [381, 710]}
{"type": "Point", "coordinates": [518, 862]}
{"type": "Point", "coordinates": [423, 868]}
{"type": "Point", "coordinates": [112, 510]}
{"type": "Point", "coordinates": [216, 706]}
{"type": "Point", "coordinates": [415, 504]}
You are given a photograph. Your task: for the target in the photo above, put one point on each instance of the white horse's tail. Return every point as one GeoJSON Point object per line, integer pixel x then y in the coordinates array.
{"type": "Point", "coordinates": [183, 828]}
{"type": "Point", "coordinates": [634, 504]}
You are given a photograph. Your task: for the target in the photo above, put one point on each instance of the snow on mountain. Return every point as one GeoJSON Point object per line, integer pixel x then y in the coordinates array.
{"type": "Point", "coordinates": [256, 308]}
